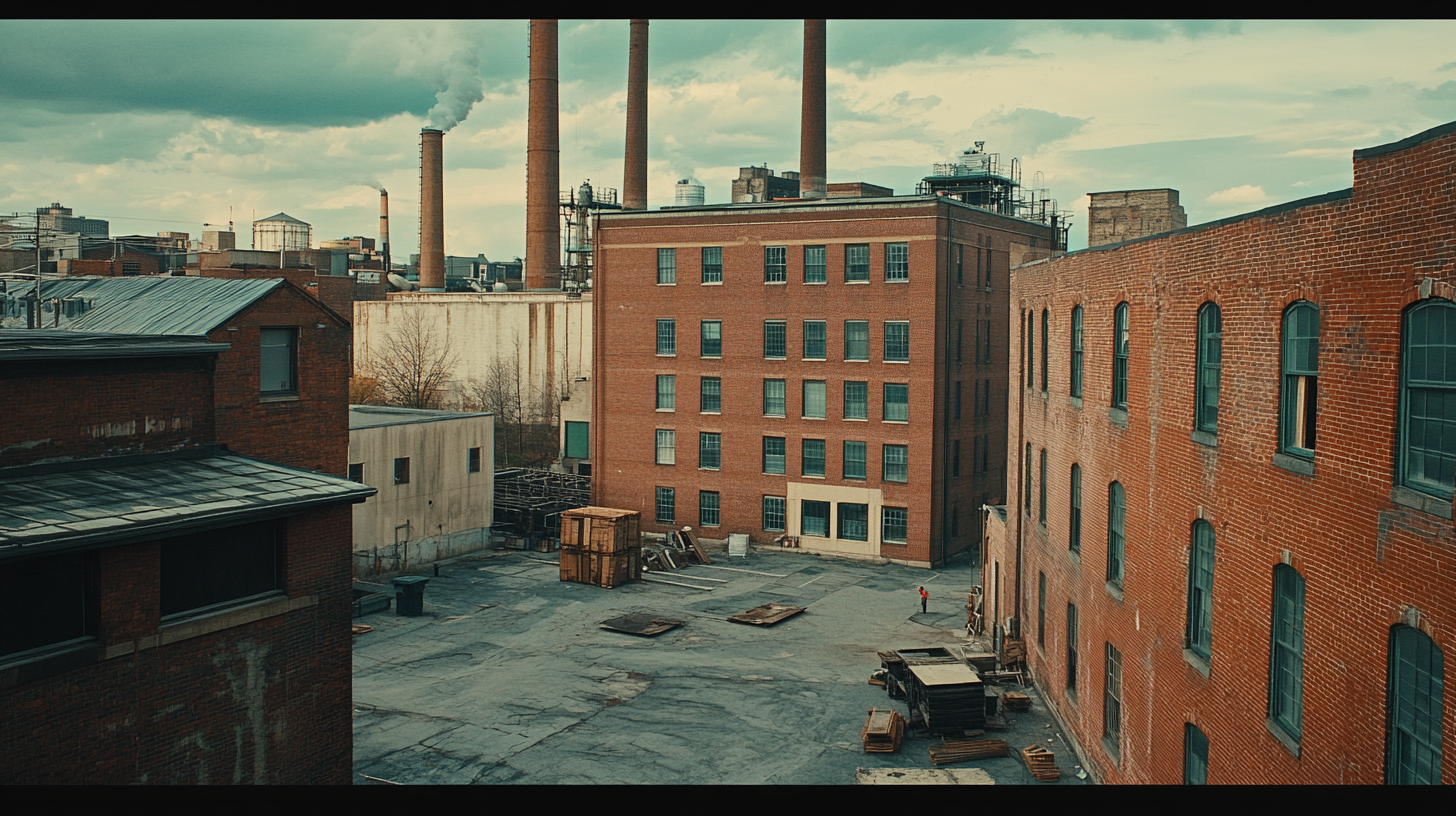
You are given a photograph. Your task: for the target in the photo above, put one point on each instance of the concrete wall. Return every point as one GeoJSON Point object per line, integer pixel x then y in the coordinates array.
{"type": "Point", "coordinates": [545, 334]}
{"type": "Point", "coordinates": [1123, 215]}
{"type": "Point", "coordinates": [444, 509]}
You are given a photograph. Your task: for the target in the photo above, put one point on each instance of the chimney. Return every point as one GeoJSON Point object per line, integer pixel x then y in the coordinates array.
{"type": "Point", "coordinates": [543, 163]}
{"type": "Point", "coordinates": [384, 226]}
{"type": "Point", "coordinates": [811, 130]}
{"type": "Point", "coordinates": [432, 210]}
{"type": "Point", "coordinates": [634, 176]}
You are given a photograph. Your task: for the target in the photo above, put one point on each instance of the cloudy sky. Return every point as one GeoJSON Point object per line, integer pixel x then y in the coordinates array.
{"type": "Point", "coordinates": [164, 125]}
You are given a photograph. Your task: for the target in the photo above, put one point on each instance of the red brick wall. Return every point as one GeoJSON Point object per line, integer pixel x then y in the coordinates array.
{"type": "Point", "coordinates": [266, 702]}
{"type": "Point", "coordinates": [627, 302]}
{"type": "Point", "coordinates": [317, 422]}
{"type": "Point", "coordinates": [1364, 559]}
{"type": "Point", "coordinates": [90, 408]}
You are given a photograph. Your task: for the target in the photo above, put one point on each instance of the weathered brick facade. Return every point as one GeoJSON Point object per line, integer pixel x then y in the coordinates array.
{"type": "Point", "coordinates": [949, 296]}
{"type": "Point", "coordinates": [1377, 559]}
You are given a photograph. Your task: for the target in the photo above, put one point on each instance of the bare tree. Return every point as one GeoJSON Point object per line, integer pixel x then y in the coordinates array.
{"type": "Point", "coordinates": [414, 365]}
{"type": "Point", "coordinates": [526, 417]}
{"type": "Point", "coordinates": [364, 391]}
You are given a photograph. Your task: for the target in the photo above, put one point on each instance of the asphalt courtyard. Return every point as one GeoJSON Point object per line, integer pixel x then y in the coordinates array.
{"type": "Point", "coordinates": [508, 677]}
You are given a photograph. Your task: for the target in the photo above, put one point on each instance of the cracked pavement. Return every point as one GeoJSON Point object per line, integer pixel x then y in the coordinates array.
{"type": "Point", "coordinates": [507, 678]}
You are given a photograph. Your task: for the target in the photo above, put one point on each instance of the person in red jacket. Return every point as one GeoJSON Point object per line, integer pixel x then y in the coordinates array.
{"type": "Point", "coordinates": [924, 597]}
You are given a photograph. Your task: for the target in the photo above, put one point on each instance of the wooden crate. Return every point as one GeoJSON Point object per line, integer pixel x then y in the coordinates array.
{"type": "Point", "coordinates": [601, 569]}
{"type": "Point", "coordinates": [601, 529]}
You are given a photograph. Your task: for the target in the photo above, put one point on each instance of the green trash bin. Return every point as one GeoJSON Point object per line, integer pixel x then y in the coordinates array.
{"type": "Point", "coordinates": [409, 595]}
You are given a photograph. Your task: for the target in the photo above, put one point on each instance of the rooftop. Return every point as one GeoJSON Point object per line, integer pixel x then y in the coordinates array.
{"type": "Point", "coordinates": [374, 416]}
{"type": "Point", "coordinates": [51, 344]}
{"type": "Point", "coordinates": [152, 305]}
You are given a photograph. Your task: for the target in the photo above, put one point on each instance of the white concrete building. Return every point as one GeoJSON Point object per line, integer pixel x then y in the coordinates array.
{"type": "Point", "coordinates": [436, 481]}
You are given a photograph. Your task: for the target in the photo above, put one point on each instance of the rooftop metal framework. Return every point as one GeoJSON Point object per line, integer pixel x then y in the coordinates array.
{"type": "Point", "coordinates": [529, 502]}
{"type": "Point", "coordinates": [980, 179]}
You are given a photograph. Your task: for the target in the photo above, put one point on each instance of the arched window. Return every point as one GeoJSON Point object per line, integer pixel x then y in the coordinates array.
{"type": "Point", "coordinates": [1076, 385]}
{"type": "Point", "coordinates": [1428, 400]}
{"type": "Point", "coordinates": [1413, 709]}
{"type": "Point", "coordinates": [1028, 478]}
{"type": "Point", "coordinates": [1286, 653]}
{"type": "Point", "coordinates": [1200, 591]}
{"type": "Point", "coordinates": [1299, 389]}
{"type": "Point", "coordinates": [1210, 358]}
{"type": "Point", "coordinates": [1074, 533]}
{"type": "Point", "coordinates": [1116, 512]}
{"type": "Point", "coordinates": [1030, 348]}
{"type": "Point", "coordinates": [1045, 340]}
{"type": "Point", "coordinates": [1119, 356]}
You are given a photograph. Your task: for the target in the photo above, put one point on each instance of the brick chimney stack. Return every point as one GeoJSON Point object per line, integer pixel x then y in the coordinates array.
{"type": "Point", "coordinates": [543, 162]}
{"type": "Point", "coordinates": [811, 130]}
{"type": "Point", "coordinates": [634, 176]}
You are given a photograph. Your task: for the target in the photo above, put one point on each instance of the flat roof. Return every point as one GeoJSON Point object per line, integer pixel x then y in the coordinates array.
{"type": "Point", "coordinates": [61, 507]}
{"type": "Point", "coordinates": [374, 416]}
{"type": "Point", "coordinates": [817, 204]}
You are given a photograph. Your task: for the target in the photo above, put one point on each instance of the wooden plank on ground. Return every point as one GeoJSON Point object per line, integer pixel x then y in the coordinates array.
{"type": "Point", "coordinates": [766, 615]}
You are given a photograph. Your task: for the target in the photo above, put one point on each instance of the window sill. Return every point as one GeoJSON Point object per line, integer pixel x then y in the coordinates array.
{"type": "Point", "coordinates": [898, 280]}
{"type": "Point", "coordinates": [775, 283]}
{"type": "Point", "coordinates": [816, 419]}
{"type": "Point", "coordinates": [1115, 590]}
{"type": "Point", "coordinates": [1294, 464]}
{"type": "Point", "coordinates": [865, 360]}
{"type": "Point", "coordinates": [666, 411]}
{"type": "Point", "coordinates": [1416, 500]}
{"type": "Point", "coordinates": [893, 543]}
{"type": "Point", "coordinates": [856, 283]}
{"type": "Point", "coordinates": [1198, 662]}
{"type": "Point", "coordinates": [712, 469]}
{"type": "Point", "coordinates": [1045, 396]}
{"type": "Point", "coordinates": [710, 357]}
{"type": "Point", "coordinates": [856, 419]}
{"type": "Point", "coordinates": [218, 620]}
{"type": "Point", "coordinates": [895, 481]}
{"type": "Point", "coordinates": [894, 422]}
{"type": "Point", "coordinates": [774, 473]}
{"type": "Point", "coordinates": [1076, 402]}
{"type": "Point", "coordinates": [1205, 438]}
{"type": "Point", "coordinates": [816, 283]}
{"type": "Point", "coordinates": [774, 416]}
{"type": "Point", "coordinates": [46, 661]}
{"type": "Point", "coordinates": [711, 413]}
{"type": "Point", "coordinates": [773, 359]}
{"type": "Point", "coordinates": [1290, 743]}
{"type": "Point", "coordinates": [713, 283]}
{"type": "Point", "coordinates": [812, 359]}
{"type": "Point", "coordinates": [811, 476]}
{"type": "Point", "coordinates": [1075, 555]}
{"type": "Point", "coordinates": [1109, 744]}
{"type": "Point", "coordinates": [278, 398]}
{"type": "Point", "coordinates": [1118, 417]}
{"type": "Point", "coordinates": [667, 284]}
{"type": "Point", "coordinates": [900, 362]}
{"type": "Point", "coordinates": [661, 354]}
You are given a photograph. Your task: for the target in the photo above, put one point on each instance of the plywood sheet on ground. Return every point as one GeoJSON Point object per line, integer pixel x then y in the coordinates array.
{"type": "Point", "coordinates": [641, 624]}
{"type": "Point", "coordinates": [768, 614]}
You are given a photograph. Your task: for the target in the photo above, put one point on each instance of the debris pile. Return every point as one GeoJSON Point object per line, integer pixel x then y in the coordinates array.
{"type": "Point", "coordinates": [950, 752]}
{"type": "Point", "coordinates": [883, 731]}
{"type": "Point", "coordinates": [1041, 762]}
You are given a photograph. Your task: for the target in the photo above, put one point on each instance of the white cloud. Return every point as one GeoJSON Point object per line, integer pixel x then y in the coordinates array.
{"type": "Point", "coordinates": [1242, 194]}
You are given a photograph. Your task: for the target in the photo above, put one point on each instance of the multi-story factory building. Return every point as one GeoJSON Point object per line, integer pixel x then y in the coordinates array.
{"type": "Point", "coordinates": [834, 371]}
{"type": "Point", "coordinates": [1232, 457]}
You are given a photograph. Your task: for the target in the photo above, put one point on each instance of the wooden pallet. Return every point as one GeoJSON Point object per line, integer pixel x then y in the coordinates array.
{"type": "Point", "coordinates": [883, 731]}
{"type": "Point", "coordinates": [1016, 701]}
{"type": "Point", "coordinates": [966, 750]}
{"type": "Point", "coordinates": [1041, 762]}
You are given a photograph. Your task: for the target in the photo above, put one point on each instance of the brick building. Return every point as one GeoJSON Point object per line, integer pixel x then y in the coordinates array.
{"type": "Point", "coordinates": [170, 611]}
{"type": "Point", "coordinates": [1231, 498]}
{"type": "Point", "coordinates": [846, 383]}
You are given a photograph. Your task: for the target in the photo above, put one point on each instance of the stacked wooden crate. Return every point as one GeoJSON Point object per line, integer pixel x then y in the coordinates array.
{"type": "Point", "coordinates": [883, 731]}
{"type": "Point", "coordinates": [601, 546]}
{"type": "Point", "coordinates": [1041, 762]}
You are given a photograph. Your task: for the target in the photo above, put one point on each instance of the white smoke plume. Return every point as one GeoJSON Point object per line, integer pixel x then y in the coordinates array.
{"type": "Point", "coordinates": [463, 88]}
{"type": "Point", "coordinates": [372, 183]}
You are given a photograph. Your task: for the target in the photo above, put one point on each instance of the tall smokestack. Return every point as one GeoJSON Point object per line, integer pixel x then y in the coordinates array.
{"type": "Point", "coordinates": [432, 210]}
{"type": "Point", "coordinates": [634, 177]}
{"type": "Point", "coordinates": [384, 226]}
{"type": "Point", "coordinates": [543, 162]}
{"type": "Point", "coordinates": [811, 130]}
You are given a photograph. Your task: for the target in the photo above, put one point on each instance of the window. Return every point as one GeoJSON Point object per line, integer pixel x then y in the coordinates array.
{"type": "Point", "coordinates": [897, 262]}
{"type": "Point", "coordinates": [1045, 341]}
{"type": "Point", "coordinates": [897, 402]}
{"type": "Point", "coordinates": [955, 525]}
{"type": "Point", "coordinates": [667, 337]}
{"type": "Point", "coordinates": [854, 522]}
{"type": "Point", "coordinates": [1041, 486]}
{"type": "Point", "coordinates": [856, 400]}
{"type": "Point", "coordinates": [710, 395]}
{"type": "Point", "coordinates": [666, 447]}
{"type": "Point", "coordinates": [897, 341]}
{"type": "Point", "coordinates": [710, 451]}
{"type": "Point", "coordinates": [1413, 708]}
{"type": "Point", "coordinates": [278, 362]}
{"type": "Point", "coordinates": [814, 333]}
{"type": "Point", "coordinates": [773, 455]}
{"type": "Point", "coordinates": [896, 463]}
{"type": "Point", "coordinates": [854, 460]}
{"type": "Point", "coordinates": [856, 340]}
{"type": "Point", "coordinates": [1428, 404]}
{"type": "Point", "coordinates": [773, 398]}
{"type": "Point", "coordinates": [1116, 511]}
{"type": "Point", "coordinates": [1112, 702]}
{"type": "Point", "coordinates": [813, 264]}
{"type": "Point", "coordinates": [666, 266]}
{"type": "Point", "coordinates": [131, 268]}
{"type": "Point", "coordinates": [1027, 468]}
{"type": "Point", "coordinates": [578, 435]}
{"type": "Point", "coordinates": [775, 264]}
{"type": "Point", "coordinates": [1030, 349]}
{"type": "Point", "coordinates": [51, 596]}
{"type": "Point", "coordinates": [983, 405]}
{"type": "Point", "coordinates": [356, 472]}
{"type": "Point", "coordinates": [892, 525]}
{"type": "Point", "coordinates": [814, 518]}
{"type": "Point", "coordinates": [773, 512]}
{"type": "Point", "coordinates": [1200, 591]}
{"type": "Point", "coordinates": [401, 471]}
{"type": "Point", "coordinates": [1076, 384]}
{"type": "Point", "coordinates": [813, 458]}
{"type": "Point", "coordinates": [983, 459]}
{"type": "Point", "coordinates": [712, 264]}
{"type": "Point", "coordinates": [472, 460]}
{"type": "Point", "coordinates": [960, 338]}
{"type": "Point", "coordinates": [666, 392]}
{"type": "Point", "coordinates": [1210, 361]}
{"type": "Point", "coordinates": [219, 566]}
{"type": "Point", "coordinates": [775, 343]}
{"type": "Point", "coordinates": [856, 263]}
{"type": "Point", "coordinates": [958, 399]}
{"type": "Point", "coordinates": [707, 508]}
{"type": "Point", "coordinates": [1301, 380]}
{"type": "Point", "coordinates": [1119, 357]}
{"type": "Point", "coordinates": [955, 458]}
{"type": "Point", "coordinates": [960, 264]}
{"type": "Point", "coordinates": [1195, 756]}
{"type": "Point", "coordinates": [1286, 654]}
{"type": "Point", "coordinates": [1041, 610]}
{"type": "Point", "coordinates": [814, 399]}
{"type": "Point", "coordinates": [1074, 533]}
{"type": "Point", "coordinates": [983, 341]}
{"type": "Point", "coordinates": [666, 505]}
{"type": "Point", "coordinates": [1072, 649]}
{"type": "Point", "coordinates": [712, 338]}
